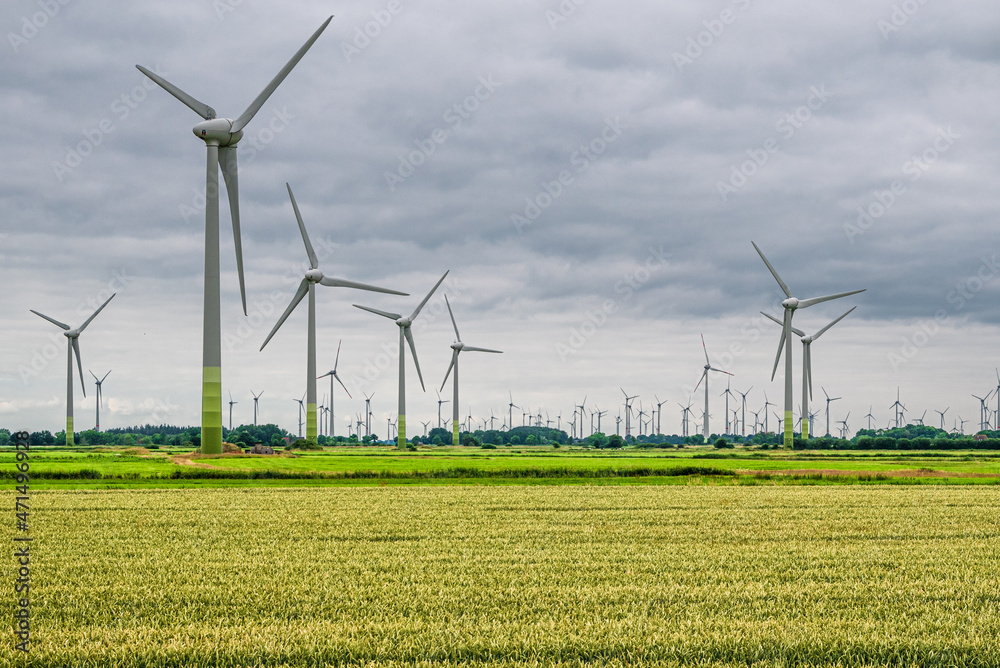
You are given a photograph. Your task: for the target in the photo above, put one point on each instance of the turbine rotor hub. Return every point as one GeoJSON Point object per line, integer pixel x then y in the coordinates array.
{"type": "Point", "coordinates": [404, 322]}
{"type": "Point", "coordinates": [217, 131]}
{"type": "Point", "coordinates": [791, 303]}
{"type": "Point", "coordinates": [458, 345]}
{"type": "Point", "coordinates": [314, 275]}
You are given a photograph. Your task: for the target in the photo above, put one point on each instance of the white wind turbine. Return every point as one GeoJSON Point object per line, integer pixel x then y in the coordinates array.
{"type": "Point", "coordinates": [704, 377]}
{"type": "Point", "coordinates": [791, 304]}
{"type": "Point", "coordinates": [332, 373]}
{"type": "Point", "coordinates": [807, 389]}
{"type": "Point", "coordinates": [308, 286]}
{"type": "Point", "coordinates": [456, 348]}
{"type": "Point", "coordinates": [221, 135]}
{"type": "Point", "coordinates": [73, 346]}
{"type": "Point", "coordinates": [100, 396]}
{"type": "Point", "coordinates": [405, 333]}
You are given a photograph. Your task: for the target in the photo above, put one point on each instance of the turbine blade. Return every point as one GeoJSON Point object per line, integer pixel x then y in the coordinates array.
{"type": "Point", "coordinates": [342, 384]}
{"type": "Point", "coordinates": [255, 106]}
{"type": "Point", "coordinates": [458, 337]}
{"type": "Point", "coordinates": [106, 375]}
{"type": "Point", "coordinates": [94, 375]}
{"type": "Point", "coordinates": [313, 262]}
{"type": "Point", "coordinates": [481, 350]}
{"type": "Point", "coordinates": [413, 350]}
{"type": "Point", "coordinates": [299, 294]}
{"type": "Point", "coordinates": [781, 342]}
{"type": "Point", "coordinates": [784, 288]}
{"type": "Point", "coordinates": [820, 332]}
{"type": "Point", "coordinates": [230, 172]}
{"type": "Point", "coordinates": [336, 360]}
{"type": "Point", "coordinates": [391, 316]}
{"type": "Point", "coordinates": [52, 320]}
{"type": "Point", "coordinates": [705, 348]}
{"type": "Point", "coordinates": [197, 107]}
{"type": "Point", "coordinates": [703, 374]}
{"type": "Point", "coordinates": [417, 310]}
{"type": "Point", "coordinates": [94, 315]}
{"type": "Point", "coordinates": [75, 343]}
{"type": "Point", "coordinates": [795, 330]}
{"type": "Point", "coordinates": [816, 300]}
{"type": "Point", "coordinates": [454, 357]}
{"type": "Point", "coordinates": [341, 283]}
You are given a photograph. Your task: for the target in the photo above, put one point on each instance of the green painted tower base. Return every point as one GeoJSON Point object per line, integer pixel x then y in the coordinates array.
{"type": "Point", "coordinates": [311, 429]}
{"type": "Point", "coordinates": [211, 410]}
{"type": "Point", "coordinates": [401, 433]}
{"type": "Point", "coordinates": [454, 432]}
{"type": "Point", "coordinates": [69, 431]}
{"type": "Point", "coordinates": [789, 426]}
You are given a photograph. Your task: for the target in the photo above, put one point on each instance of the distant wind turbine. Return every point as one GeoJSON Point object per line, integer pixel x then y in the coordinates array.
{"type": "Point", "coordinates": [332, 373]}
{"type": "Point", "coordinates": [100, 395]}
{"type": "Point", "coordinates": [404, 324]}
{"type": "Point", "coordinates": [704, 377]}
{"type": "Point", "coordinates": [73, 347]}
{"type": "Point", "coordinates": [457, 347]}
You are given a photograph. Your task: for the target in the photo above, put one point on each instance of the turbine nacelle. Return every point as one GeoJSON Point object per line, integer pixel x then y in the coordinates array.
{"type": "Point", "coordinates": [791, 303]}
{"type": "Point", "coordinates": [404, 322]}
{"type": "Point", "coordinates": [218, 131]}
{"type": "Point", "coordinates": [314, 275]}
{"type": "Point", "coordinates": [457, 346]}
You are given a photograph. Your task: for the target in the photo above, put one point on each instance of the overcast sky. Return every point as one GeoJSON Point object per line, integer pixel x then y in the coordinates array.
{"type": "Point", "coordinates": [592, 173]}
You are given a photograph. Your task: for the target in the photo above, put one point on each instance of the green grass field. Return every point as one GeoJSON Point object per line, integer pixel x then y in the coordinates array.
{"type": "Point", "coordinates": [54, 468]}
{"type": "Point", "coordinates": [844, 575]}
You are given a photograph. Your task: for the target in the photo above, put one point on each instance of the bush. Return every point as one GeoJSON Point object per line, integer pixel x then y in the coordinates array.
{"type": "Point", "coordinates": [488, 446]}
{"type": "Point", "coordinates": [722, 443]}
{"type": "Point", "coordinates": [303, 444]}
{"type": "Point", "coordinates": [471, 441]}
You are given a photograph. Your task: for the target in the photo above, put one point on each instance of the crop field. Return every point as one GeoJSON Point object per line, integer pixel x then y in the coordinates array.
{"type": "Point", "coordinates": [844, 575]}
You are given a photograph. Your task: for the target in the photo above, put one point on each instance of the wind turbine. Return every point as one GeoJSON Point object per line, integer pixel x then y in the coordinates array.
{"type": "Point", "coordinates": [100, 381]}
{"type": "Point", "coordinates": [898, 408]}
{"type": "Point", "coordinates": [807, 363]}
{"type": "Point", "coordinates": [443, 401]}
{"type": "Point", "coordinates": [73, 346]}
{"type": "Point", "coordinates": [868, 417]}
{"type": "Point", "coordinates": [743, 416]}
{"type": "Point", "coordinates": [843, 426]}
{"type": "Point", "coordinates": [255, 398]}
{"type": "Point", "coordinates": [221, 135]}
{"type": "Point", "coordinates": [308, 286]}
{"type": "Point", "coordinates": [302, 408]}
{"type": "Point", "coordinates": [457, 347]}
{"type": "Point", "coordinates": [767, 403]}
{"type": "Point", "coordinates": [941, 413]}
{"type": "Point", "coordinates": [404, 324]}
{"type": "Point", "coordinates": [659, 410]}
{"type": "Point", "coordinates": [828, 400]}
{"type": "Point", "coordinates": [510, 410]}
{"type": "Point", "coordinates": [231, 402]}
{"type": "Point", "coordinates": [791, 304]}
{"type": "Point", "coordinates": [704, 377]}
{"type": "Point", "coordinates": [628, 411]}
{"type": "Point", "coordinates": [982, 409]}
{"type": "Point", "coordinates": [332, 373]}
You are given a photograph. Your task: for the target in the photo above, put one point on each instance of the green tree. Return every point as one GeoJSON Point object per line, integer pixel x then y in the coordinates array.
{"type": "Point", "coordinates": [615, 442]}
